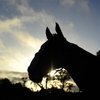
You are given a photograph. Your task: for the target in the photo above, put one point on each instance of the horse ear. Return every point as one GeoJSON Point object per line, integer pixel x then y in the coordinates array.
{"type": "Point", "coordinates": [48, 34]}
{"type": "Point", "coordinates": [58, 30]}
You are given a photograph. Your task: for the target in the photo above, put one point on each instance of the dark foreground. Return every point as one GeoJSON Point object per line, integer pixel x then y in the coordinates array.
{"type": "Point", "coordinates": [10, 91]}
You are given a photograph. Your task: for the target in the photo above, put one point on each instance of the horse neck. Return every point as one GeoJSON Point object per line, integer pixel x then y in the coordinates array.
{"type": "Point", "coordinates": [81, 67]}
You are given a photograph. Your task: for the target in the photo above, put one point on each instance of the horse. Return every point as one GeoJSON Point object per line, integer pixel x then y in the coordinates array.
{"type": "Point", "coordinates": [58, 52]}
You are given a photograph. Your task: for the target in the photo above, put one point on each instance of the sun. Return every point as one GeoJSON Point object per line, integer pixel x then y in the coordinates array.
{"type": "Point", "coordinates": [52, 73]}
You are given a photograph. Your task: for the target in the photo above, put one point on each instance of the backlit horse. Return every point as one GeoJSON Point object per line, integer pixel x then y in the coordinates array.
{"type": "Point", "coordinates": [58, 52]}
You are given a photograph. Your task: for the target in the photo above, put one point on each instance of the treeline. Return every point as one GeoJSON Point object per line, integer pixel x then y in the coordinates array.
{"type": "Point", "coordinates": [17, 91]}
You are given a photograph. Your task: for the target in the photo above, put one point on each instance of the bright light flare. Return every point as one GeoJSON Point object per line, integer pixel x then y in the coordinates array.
{"type": "Point", "coordinates": [52, 73]}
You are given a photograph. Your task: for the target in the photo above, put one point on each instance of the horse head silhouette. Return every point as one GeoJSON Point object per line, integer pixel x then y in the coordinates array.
{"type": "Point", "coordinates": [58, 52]}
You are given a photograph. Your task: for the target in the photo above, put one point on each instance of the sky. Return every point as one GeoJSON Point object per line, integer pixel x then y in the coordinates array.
{"type": "Point", "coordinates": [23, 24]}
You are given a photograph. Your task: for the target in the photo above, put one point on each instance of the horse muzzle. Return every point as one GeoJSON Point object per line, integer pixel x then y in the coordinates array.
{"type": "Point", "coordinates": [34, 78]}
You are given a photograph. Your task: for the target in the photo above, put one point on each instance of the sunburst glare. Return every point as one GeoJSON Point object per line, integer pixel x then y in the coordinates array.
{"type": "Point", "coordinates": [52, 73]}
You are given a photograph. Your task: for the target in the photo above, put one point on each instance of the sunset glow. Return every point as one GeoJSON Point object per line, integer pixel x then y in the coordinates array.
{"type": "Point", "coordinates": [52, 73]}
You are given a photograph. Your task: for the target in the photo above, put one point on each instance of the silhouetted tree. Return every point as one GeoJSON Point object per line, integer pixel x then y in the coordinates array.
{"type": "Point", "coordinates": [60, 75]}
{"type": "Point", "coordinates": [63, 75]}
{"type": "Point", "coordinates": [5, 83]}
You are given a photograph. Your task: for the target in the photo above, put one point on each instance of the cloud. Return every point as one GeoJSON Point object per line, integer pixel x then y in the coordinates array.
{"type": "Point", "coordinates": [17, 58]}
{"type": "Point", "coordinates": [84, 4]}
{"type": "Point", "coordinates": [12, 57]}
{"type": "Point", "coordinates": [42, 18]}
{"type": "Point", "coordinates": [67, 26]}
{"type": "Point", "coordinates": [78, 4]}
{"type": "Point", "coordinates": [1, 45]}
{"type": "Point", "coordinates": [27, 43]}
{"type": "Point", "coordinates": [67, 2]}
{"type": "Point", "coordinates": [29, 40]}
{"type": "Point", "coordinates": [9, 24]}
{"type": "Point", "coordinates": [16, 3]}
